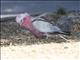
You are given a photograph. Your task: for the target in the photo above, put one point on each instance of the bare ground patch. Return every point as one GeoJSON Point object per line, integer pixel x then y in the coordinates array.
{"type": "Point", "coordinates": [50, 51]}
{"type": "Point", "coordinates": [17, 44]}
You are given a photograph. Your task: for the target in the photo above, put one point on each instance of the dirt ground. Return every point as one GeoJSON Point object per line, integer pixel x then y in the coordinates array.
{"type": "Point", "coordinates": [49, 51]}
{"type": "Point", "coordinates": [17, 44]}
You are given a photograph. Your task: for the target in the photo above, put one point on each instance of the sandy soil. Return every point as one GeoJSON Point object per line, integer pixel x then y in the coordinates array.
{"type": "Point", "coordinates": [49, 51]}
{"type": "Point", "coordinates": [17, 44]}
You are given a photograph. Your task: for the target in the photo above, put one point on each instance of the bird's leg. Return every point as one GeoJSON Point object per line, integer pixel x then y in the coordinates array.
{"type": "Point", "coordinates": [56, 37]}
{"type": "Point", "coordinates": [47, 35]}
{"type": "Point", "coordinates": [63, 37]}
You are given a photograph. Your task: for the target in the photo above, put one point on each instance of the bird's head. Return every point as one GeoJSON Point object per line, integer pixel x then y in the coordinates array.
{"type": "Point", "coordinates": [20, 18]}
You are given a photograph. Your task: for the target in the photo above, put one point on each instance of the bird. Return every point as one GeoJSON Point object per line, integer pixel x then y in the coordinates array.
{"type": "Point", "coordinates": [24, 20]}
{"type": "Point", "coordinates": [47, 28]}
{"type": "Point", "coordinates": [38, 26]}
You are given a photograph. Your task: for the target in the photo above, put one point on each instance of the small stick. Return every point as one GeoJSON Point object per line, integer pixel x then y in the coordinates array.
{"type": "Point", "coordinates": [63, 37]}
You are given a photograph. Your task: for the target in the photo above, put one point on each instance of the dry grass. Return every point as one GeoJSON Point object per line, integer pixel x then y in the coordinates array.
{"type": "Point", "coordinates": [11, 32]}
{"type": "Point", "coordinates": [16, 44]}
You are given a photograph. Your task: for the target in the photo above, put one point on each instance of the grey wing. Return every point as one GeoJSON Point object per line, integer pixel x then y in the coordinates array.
{"type": "Point", "coordinates": [43, 26]}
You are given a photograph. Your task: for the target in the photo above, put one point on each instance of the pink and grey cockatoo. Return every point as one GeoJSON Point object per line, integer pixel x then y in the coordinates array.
{"type": "Point", "coordinates": [25, 20]}
{"type": "Point", "coordinates": [36, 25]}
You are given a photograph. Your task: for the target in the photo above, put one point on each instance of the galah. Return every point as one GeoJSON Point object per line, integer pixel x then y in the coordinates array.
{"type": "Point", "coordinates": [38, 26]}
{"type": "Point", "coordinates": [25, 21]}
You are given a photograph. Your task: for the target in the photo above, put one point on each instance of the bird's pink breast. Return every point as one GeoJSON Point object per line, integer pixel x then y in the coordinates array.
{"type": "Point", "coordinates": [27, 23]}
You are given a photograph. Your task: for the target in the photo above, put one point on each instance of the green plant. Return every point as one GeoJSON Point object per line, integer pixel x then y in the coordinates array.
{"type": "Point", "coordinates": [61, 11]}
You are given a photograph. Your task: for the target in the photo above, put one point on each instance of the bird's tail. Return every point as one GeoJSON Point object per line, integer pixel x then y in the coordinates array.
{"type": "Point", "coordinates": [66, 33]}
